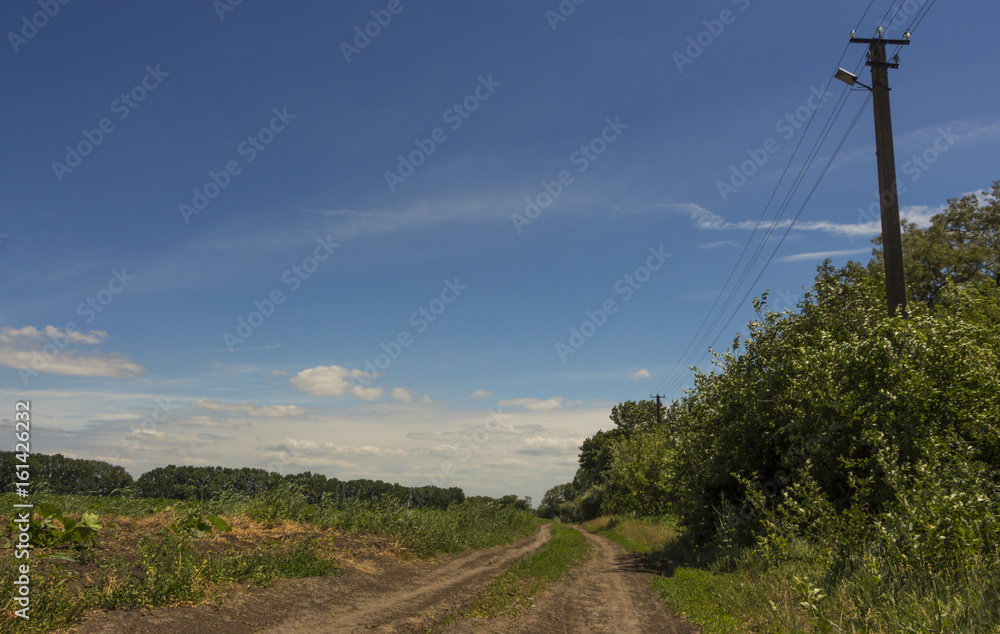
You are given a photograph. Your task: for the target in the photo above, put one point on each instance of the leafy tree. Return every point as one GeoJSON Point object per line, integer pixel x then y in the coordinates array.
{"type": "Point", "coordinates": [61, 475]}
{"type": "Point", "coordinates": [641, 479]}
{"type": "Point", "coordinates": [554, 497]}
{"type": "Point", "coordinates": [631, 416]}
{"type": "Point", "coordinates": [597, 451]}
{"type": "Point", "coordinates": [813, 395]}
{"type": "Point", "coordinates": [597, 457]}
{"type": "Point", "coordinates": [961, 245]}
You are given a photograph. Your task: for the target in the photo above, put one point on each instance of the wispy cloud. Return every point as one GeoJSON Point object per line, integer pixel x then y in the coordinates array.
{"type": "Point", "coordinates": [268, 411]}
{"type": "Point", "coordinates": [48, 350]}
{"type": "Point", "coordinates": [915, 142]}
{"type": "Point", "coordinates": [534, 404]}
{"type": "Point", "coordinates": [707, 220]}
{"type": "Point", "coordinates": [550, 446]}
{"type": "Point", "coordinates": [716, 245]}
{"type": "Point", "coordinates": [822, 255]}
{"type": "Point", "coordinates": [639, 374]}
{"type": "Point", "coordinates": [295, 446]}
{"type": "Point", "coordinates": [481, 394]}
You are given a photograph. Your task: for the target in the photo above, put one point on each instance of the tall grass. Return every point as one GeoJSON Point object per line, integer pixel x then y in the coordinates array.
{"type": "Point", "coordinates": [423, 531]}
{"type": "Point", "coordinates": [723, 588]}
{"type": "Point", "coordinates": [163, 567]}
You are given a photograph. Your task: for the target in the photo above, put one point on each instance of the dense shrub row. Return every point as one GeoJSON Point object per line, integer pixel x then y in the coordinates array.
{"type": "Point", "coordinates": [865, 444]}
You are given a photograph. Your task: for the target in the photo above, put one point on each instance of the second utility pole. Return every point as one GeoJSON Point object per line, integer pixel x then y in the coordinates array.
{"type": "Point", "coordinates": [892, 244]}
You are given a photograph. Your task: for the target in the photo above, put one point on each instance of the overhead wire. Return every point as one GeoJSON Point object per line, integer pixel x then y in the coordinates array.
{"type": "Point", "coordinates": [680, 371]}
{"type": "Point", "coordinates": [698, 340]}
{"type": "Point", "coordinates": [774, 224]}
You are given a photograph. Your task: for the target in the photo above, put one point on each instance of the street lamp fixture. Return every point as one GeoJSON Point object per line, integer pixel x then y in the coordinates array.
{"type": "Point", "coordinates": [849, 78]}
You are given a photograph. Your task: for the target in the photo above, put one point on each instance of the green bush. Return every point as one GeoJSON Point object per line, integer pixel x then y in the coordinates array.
{"type": "Point", "coordinates": [812, 393]}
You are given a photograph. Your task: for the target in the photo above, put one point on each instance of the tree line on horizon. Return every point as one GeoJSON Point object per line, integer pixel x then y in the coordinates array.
{"type": "Point", "coordinates": [60, 475]}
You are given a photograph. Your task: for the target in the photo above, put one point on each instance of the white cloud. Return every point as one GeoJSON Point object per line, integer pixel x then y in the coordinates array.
{"type": "Point", "coordinates": [550, 446]}
{"type": "Point", "coordinates": [334, 380]}
{"type": "Point", "coordinates": [402, 394]}
{"type": "Point", "coordinates": [47, 350]}
{"type": "Point", "coordinates": [534, 404]}
{"type": "Point", "coordinates": [426, 398]}
{"type": "Point", "coordinates": [50, 334]}
{"type": "Point", "coordinates": [208, 421]}
{"type": "Point", "coordinates": [715, 245]}
{"type": "Point", "coordinates": [706, 219]}
{"type": "Point", "coordinates": [295, 446]}
{"type": "Point", "coordinates": [916, 142]}
{"type": "Point", "coordinates": [481, 394]}
{"type": "Point", "coordinates": [639, 374]}
{"type": "Point", "coordinates": [351, 223]}
{"type": "Point", "coordinates": [366, 393]}
{"type": "Point", "coordinates": [270, 411]}
{"type": "Point", "coordinates": [822, 255]}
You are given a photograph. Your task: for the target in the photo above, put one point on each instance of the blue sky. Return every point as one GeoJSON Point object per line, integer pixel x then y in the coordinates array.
{"type": "Point", "coordinates": [216, 217]}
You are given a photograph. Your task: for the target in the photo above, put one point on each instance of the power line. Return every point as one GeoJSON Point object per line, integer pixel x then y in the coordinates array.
{"type": "Point", "coordinates": [758, 224]}
{"type": "Point", "coordinates": [801, 209]}
{"type": "Point", "coordinates": [773, 225]}
{"type": "Point", "coordinates": [697, 342]}
{"type": "Point", "coordinates": [680, 371]}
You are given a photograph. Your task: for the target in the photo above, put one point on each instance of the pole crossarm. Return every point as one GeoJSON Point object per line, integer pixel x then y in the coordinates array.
{"type": "Point", "coordinates": [863, 40]}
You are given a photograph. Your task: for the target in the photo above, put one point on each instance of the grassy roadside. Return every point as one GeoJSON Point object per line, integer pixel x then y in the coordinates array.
{"type": "Point", "coordinates": [512, 591]}
{"type": "Point", "coordinates": [739, 591]}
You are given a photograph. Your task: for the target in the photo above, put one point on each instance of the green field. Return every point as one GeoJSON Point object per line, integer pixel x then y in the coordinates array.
{"type": "Point", "coordinates": [153, 552]}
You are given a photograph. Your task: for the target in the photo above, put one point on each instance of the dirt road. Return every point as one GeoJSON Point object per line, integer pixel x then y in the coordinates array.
{"type": "Point", "coordinates": [607, 593]}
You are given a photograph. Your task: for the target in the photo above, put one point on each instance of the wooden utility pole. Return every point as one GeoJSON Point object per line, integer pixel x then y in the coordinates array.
{"type": "Point", "coordinates": [659, 412]}
{"type": "Point", "coordinates": [892, 244]}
